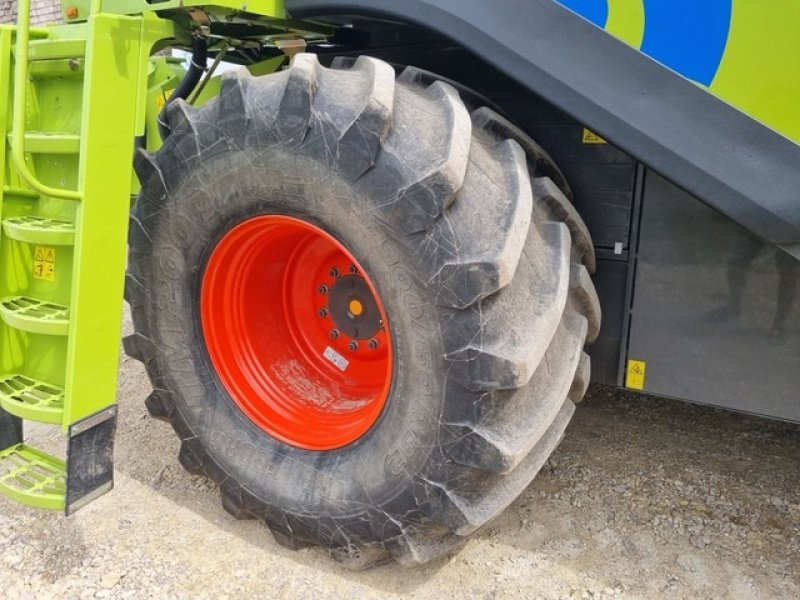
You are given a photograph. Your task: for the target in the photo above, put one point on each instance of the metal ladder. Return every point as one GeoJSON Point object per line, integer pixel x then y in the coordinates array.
{"type": "Point", "coordinates": [64, 202]}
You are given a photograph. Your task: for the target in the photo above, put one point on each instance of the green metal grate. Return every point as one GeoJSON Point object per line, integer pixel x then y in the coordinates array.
{"type": "Point", "coordinates": [31, 399]}
{"type": "Point", "coordinates": [35, 316]}
{"type": "Point", "coordinates": [40, 230]}
{"type": "Point", "coordinates": [32, 477]}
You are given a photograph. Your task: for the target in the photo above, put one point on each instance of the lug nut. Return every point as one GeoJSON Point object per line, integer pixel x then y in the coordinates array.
{"type": "Point", "coordinates": [322, 313]}
{"type": "Point", "coordinates": [353, 270]}
{"type": "Point", "coordinates": [334, 334]}
{"type": "Point", "coordinates": [334, 273]}
{"type": "Point", "coordinates": [373, 344]}
{"type": "Point", "coordinates": [353, 346]}
{"type": "Point", "coordinates": [323, 289]}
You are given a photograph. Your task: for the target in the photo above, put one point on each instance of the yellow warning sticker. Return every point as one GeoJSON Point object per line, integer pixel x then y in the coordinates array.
{"type": "Point", "coordinates": [44, 263]}
{"type": "Point", "coordinates": [635, 375]}
{"type": "Point", "coordinates": [590, 137]}
{"type": "Point", "coordinates": [161, 99]}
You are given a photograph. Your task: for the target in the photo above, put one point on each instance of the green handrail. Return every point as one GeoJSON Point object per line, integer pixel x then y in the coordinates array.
{"type": "Point", "coordinates": [20, 87]}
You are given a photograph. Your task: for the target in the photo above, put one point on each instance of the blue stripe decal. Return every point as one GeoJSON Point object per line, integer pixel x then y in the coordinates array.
{"type": "Point", "coordinates": [688, 36]}
{"type": "Point", "coordinates": [595, 11]}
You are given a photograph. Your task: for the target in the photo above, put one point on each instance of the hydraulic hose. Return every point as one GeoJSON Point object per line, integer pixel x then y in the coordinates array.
{"type": "Point", "coordinates": [197, 66]}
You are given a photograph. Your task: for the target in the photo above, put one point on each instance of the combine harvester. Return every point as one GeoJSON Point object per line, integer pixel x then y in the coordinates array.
{"type": "Point", "coordinates": [362, 281]}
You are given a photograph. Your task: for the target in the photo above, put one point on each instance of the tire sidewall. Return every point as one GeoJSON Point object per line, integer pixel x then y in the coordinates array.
{"type": "Point", "coordinates": [208, 200]}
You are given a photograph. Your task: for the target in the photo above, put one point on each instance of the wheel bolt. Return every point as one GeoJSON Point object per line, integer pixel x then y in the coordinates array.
{"type": "Point", "coordinates": [353, 270]}
{"type": "Point", "coordinates": [323, 289]}
{"type": "Point", "coordinates": [334, 334]}
{"type": "Point", "coordinates": [373, 344]}
{"type": "Point", "coordinates": [322, 313]}
{"type": "Point", "coordinates": [353, 346]}
{"type": "Point", "coordinates": [334, 273]}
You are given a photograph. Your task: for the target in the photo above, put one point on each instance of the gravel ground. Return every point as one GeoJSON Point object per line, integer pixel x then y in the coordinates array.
{"type": "Point", "coordinates": [645, 498]}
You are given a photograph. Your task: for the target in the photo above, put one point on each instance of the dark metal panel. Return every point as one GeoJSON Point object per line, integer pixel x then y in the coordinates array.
{"type": "Point", "coordinates": [720, 155]}
{"type": "Point", "coordinates": [716, 313]}
{"type": "Point", "coordinates": [10, 430]}
{"type": "Point", "coordinates": [610, 281]}
{"type": "Point", "coordinates": [600, 175]}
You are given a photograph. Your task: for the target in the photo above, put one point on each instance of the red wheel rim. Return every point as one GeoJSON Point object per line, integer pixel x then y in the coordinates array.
{"type": "Point", "coordinates": [296, 332]}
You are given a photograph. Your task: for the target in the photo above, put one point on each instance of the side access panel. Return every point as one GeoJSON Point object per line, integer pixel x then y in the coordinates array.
{"type": "Point", "coordinates": [716, 312]}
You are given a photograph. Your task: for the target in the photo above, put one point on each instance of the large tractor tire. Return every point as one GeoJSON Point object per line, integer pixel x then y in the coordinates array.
{"type": "Point", "coordinates": [362, 308]}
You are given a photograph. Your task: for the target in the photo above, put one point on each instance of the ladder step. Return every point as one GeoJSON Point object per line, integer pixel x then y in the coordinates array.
{"type": "Point", "coordinates": [54, 49]}
{"type": "Point", "coordinates": [60, 67]}
{"type": "Point", "coordinates": [14, 192]}
{"type": "Point", "coordinates": [35, 316]}
{"type": "Point", "coordinates": [40, 230]}
{"type": "Point", "coordinates": [45, 142]}
{"type": "Point", "coordinates": [32, 477]}
{"type": "Point", "coordinates": [30, 399]}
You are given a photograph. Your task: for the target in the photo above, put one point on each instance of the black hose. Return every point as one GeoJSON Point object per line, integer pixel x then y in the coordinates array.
{"type": "Point", "coordinates": [197, 66]}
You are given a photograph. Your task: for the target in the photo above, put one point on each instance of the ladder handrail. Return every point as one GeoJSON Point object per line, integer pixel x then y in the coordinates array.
{"type": "Point", "coordinates": [20, 88]}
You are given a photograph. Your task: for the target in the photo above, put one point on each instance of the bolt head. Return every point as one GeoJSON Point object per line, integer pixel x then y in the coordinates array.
{"type": "Point", "coordinates": [373, 344]}
{"type": "Point", "coordinates": [334, 333]}
{"type": "Point", "coordinates": [323, 289]}
{"type": "Point", "coordinates": [334, 273]}
{"type": "Point", "coordinates": [322, 313]}
{"type": "Point", "coordinates": [353, 346]}
{"type": "Point", "coordinates": [353, 270]}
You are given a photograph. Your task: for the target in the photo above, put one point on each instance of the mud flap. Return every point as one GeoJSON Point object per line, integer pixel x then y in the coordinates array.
{"type": "Point", "coordinates": [90, 459]}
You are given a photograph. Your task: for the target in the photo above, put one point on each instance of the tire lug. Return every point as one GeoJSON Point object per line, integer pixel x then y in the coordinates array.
{"type": "Point", "coordinates": [322, 313]}
{"type": "Point", "coordinates": [334, 334]}
{"type": "Point", "coordinates": [353, 346]}
{"type": "Point", "coordinates": [323, 289]}
{"type": "Point", "coordinates": [373, 344]}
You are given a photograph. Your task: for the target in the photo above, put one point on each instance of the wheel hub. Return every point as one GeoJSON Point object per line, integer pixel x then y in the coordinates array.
{"type": "Point", "coordinates": [353, 309]}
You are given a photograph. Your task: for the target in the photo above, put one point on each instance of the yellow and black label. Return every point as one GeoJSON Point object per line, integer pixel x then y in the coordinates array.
{"type": "Point", "coordinates": [44, 263]}
{"type": "Point", "coordinates": [634, 377]}
{"type": "Point", "coordinates": [590, 137]}
{"type": "Point", "coordinates": [162, 98]}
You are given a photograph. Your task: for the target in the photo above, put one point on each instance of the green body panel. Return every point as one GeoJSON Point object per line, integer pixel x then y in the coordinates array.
{"type": "Point", "coordinates": [109, 107]}
{"type": "Point", "coordinates": [267, 8]}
